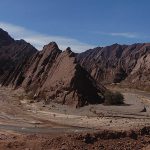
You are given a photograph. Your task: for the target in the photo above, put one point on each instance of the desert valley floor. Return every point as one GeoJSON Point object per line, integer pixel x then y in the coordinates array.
{"type": "Point", "coordinates": [55, 126]}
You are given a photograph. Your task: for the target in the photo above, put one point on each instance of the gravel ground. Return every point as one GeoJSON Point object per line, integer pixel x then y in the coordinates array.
{"type": "Point", "coordinates": [25, 124]}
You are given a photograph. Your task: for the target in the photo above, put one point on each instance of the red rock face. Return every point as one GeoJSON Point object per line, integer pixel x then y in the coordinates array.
{"type": "Point", "coordinates": [55, 76]}
{"type": "Point", "coordinates": [40, 66]}
{"type": "Point", "coordinates": [14, 56]}
{"type": "Point", "coordinates": [69, 78]}
{"type": "Point", "coordinates": [51, 75]}
{"type": "Point", "coordinates": [128, 64]}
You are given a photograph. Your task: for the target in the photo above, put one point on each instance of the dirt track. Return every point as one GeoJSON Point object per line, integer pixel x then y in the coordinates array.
{"type": "Point", "coordinates": [21, 118]}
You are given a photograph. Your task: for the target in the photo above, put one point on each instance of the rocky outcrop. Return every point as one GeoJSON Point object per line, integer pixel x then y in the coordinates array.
{"type": "Point", "coordinates": [40, 66]}
{"type": "Point", "coordinates": [69, 78]}
{"type": "Point", "coordinates": [55, 76]}
{"type": "Point", "coordinates": [51, 75]}
{"type": "Point", "coordinates": [14, 56]}
{"type": "Point", "coordinates": [126, 64]}
{"type": "Point", "coordinates": [5, 38]}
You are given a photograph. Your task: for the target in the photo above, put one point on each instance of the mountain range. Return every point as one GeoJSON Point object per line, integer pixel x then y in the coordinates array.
{"type": "Point", "coordinates": [128, 65]}
{"type": "Point", "coordinates": [69, 78]}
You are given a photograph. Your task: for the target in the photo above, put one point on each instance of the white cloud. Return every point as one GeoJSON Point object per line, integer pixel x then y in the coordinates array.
{"type": "Point", "coordinates": [120, 34]}
{"type": "Point", "coordinates": [39, 40]}
{"type": "Point", "coordinates": [125, 34]}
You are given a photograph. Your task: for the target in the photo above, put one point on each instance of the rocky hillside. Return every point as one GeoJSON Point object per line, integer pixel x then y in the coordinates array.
{"type": "Point", "coordinates": [69, 78]}
{"type": "Point", "coordinates": [14, 54]}
{"type": "Point", "coordinates": [50, 74]}
{"type": "Point", "coordinates": [55, 76]}
{"type": "Point", "coordinates": [126, 64]}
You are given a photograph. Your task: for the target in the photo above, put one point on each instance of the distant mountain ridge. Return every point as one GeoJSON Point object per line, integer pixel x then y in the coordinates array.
{"type": "Point", "coordinates": [125, 64]}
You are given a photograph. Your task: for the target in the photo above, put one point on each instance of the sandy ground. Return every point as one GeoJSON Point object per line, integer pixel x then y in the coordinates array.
{"type": "Point", "coordinates": [21, 117]}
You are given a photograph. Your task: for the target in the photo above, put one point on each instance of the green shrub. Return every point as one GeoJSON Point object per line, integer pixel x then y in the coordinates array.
{"type": "Point", "coordinates": [113, 98]}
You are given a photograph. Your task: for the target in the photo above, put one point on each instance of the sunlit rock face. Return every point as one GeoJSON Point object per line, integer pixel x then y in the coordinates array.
{"type": "Point", "coordinates": [50, 74]}
{"type": "Point", "coordinates": [126, 64]}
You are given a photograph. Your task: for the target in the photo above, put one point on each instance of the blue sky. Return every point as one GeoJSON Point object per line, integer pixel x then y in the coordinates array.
{"type": "Point", "coordinates": [80, 24]}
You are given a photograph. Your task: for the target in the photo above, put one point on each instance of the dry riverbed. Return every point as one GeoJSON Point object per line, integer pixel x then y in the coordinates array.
{"type": "Point", "coordinates": [22, 117]}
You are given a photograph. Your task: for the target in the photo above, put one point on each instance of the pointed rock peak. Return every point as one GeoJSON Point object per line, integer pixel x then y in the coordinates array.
{"type": "Point", "coordinates": [5, 38]}
{"type": "Point", "coordinates": [114, 45]}
{"type": "Point", "coordinates": [50, 48]}
{"type": "Point", "coordinates": [54, 44]}
{"type": "Point", "coordinates": [2, 31]}
{"type": "Point", "coordinates": [68, 49]}
{"type": "Point", "coordinates": [69, 52]}
{"type": "Point", "coordinates": [51, 45]}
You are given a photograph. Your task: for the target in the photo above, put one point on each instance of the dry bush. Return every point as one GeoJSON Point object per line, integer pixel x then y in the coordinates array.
{"type": "Point", "coordinates": [113, 98]}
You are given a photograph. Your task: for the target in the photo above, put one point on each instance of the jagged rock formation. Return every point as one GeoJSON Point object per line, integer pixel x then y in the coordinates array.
{"type": "Point", "coordinates": [13, 56]}
{"type": "Point", "coordinates": [55, 76]}
{"type": "Point", "coordinates": [50, 74]}
{"type": "Point", "coordinates": [69, 78]}
{"type": "Point", "coordinates": [5, 38]}
{"type": "Point", "coordinates": [128, 64]}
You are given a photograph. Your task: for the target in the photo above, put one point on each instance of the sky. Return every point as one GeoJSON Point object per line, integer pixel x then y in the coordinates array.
{"type": "Point", "coordinates": [79, 24]}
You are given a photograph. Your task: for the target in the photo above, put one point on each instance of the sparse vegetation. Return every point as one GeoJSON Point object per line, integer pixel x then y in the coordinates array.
{"type": "Point", "coordinates": [30, 96]}
{"type": "Point", "coordinates": [113, 98]}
